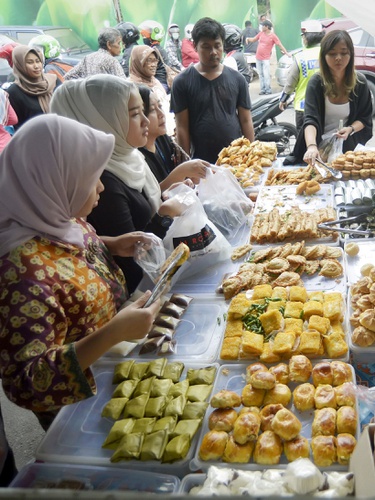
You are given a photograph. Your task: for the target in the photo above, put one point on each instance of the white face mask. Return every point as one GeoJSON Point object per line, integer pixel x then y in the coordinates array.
{"type": "Point", "coordinates": [175, 36]}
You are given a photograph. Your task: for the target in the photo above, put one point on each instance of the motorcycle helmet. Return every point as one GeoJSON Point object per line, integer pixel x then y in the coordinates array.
{"type": "Point", "coordinates": [48, 45]}
{"type": "Point", "coordinates": [174, 31]}
{"type": "Point", "coordinates": [188, 31]}
{"type": "Point", "coordinates": [233, 37]}
{"type": "Point", "coordinates": [129, 32]}
{"type": "Point", "coordinates": [151, 31]}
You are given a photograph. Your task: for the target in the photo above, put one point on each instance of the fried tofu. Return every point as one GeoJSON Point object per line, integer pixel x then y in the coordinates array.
{"type": "Point", "coordinates": [262, 291]}
{"type": "Point", "coordinates": [297, 294]}
{"type": "Point", "coordinates": [252, 343]}
{"type": "Point", "coordinates": [276, 305]}
{"type": "Point", "coordinates": [280, 292]}
{"type": "Point", "coordinates": [271, 320]}
{"type": "Point", "coordinates": [322, 325]}
{"type": "Point", "coordinates": [283, 343]}
{"type": "Point", "coordinates": [238, 306]}
{"type": "Point", "coordinates": [234, 328]}
{"type": "Point", "coordinates": [268, 356]}
{"type": "Point", "coordinates": [333, 310]}
{"type": "Point", "coordinates": [336, 327]}
{"type": "Point", "coordinates": [310, 343]}
{"type": "Point", "coordinates": [293, 310]}
{"type": "Point", "coordinates": [335, 345]}
{"type": "Point", "coordinates": [319, 296]}
{"type": "Point", "coordinates": [293, 325]}
{"type": "Point", "coordinates": [312, 307]}
{"type": "Point", "coordinates": [230, 348]}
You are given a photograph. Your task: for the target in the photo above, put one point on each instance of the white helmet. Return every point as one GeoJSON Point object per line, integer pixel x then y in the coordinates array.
{"type": "Point", "coordinates": [188, 31]}
{"type": "Point", "coordinates": [311, 26]}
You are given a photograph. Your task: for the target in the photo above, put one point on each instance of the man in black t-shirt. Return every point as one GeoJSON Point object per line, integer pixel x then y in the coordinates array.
{"type": "Point", "coordinates": [211, 102]}
{"type": "Point", "coordinates": [249, 32]}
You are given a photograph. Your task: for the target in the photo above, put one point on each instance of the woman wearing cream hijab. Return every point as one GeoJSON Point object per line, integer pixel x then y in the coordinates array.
{"type": "Point", "coordinates": [131, 200]}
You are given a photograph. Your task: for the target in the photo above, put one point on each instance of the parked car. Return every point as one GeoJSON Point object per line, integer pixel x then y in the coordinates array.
{"type": "Point", "coordinates": [364, 58]}
{"type": "Point", "coordinates": [73, 48]}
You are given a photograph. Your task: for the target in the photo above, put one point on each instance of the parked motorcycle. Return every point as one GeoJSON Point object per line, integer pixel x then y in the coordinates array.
{"type": "Point", "coordinates": [251, 61]}
{"type": "Point", "coordinates": [266, 127]}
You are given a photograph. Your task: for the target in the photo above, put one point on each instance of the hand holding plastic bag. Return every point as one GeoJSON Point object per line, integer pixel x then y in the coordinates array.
{"type": "Point", "coordinates": [330, 148]}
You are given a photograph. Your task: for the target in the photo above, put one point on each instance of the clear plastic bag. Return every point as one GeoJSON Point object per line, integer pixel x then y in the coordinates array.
{"type": "Point", "coordinates": [224, 201]}
{"type": "Point", "coordinates": [330, 148]}
{"type": "Point", "coordinates": [150, 257]}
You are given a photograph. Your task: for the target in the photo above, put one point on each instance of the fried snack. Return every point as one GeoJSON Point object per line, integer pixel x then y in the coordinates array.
{"type": "Point", "coordinates": [324, 450]}
{"type": "Point", "coordinates": [283, 343]}
{"type": "Point", "coordinates": [268, 449]}
{"type": "Point", "coordinates": [303, 397]}
{"type": "Point", "coordinates": [213, 445]}
{"type": "Point", "coordinates": [277, 177]}
{"type": "Point", "coordinates": [241, 251]}
{"type": "Point", "coordinates": [246, 428]}
{"type": "Point", "coordinates": [310, 343]}
{"type": "Point", "coordinates": [297, 448]}
{"type": "Point", "coordinates": [347, 420]}
{"type": "Point", "coordinates": [324, 423]}
{"type": "Point", "coordinates": [230, 348]}
{"type": "Point", "coordinates": [225, 399]}
{"type": "Point", "coordinates": [345, 444]}
{"type": "Point", "coordinates": [286, 425]}
{"type": "Point", "coordinates": [238, 453]}
{"type": "Point", "coordinates": [184, 257]}
{"type": "Point", "coordinates": [222, 419]}
{"type": "Point", "coordinates": [330, 268]}
{"type": "Point", "coordinates": [335, 346]}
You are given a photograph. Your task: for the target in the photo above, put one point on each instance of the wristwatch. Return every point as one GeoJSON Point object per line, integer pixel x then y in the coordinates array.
{"type": "Point", "coordinates": [164, 220]}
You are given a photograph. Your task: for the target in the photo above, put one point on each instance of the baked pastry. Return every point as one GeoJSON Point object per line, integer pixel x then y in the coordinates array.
{"type": "Point", "coordinates": [251, 396]}
{"type": "Point", "coordinates": [303, 397]}
{"type": "Point", "coordinates": [254, 367]}
{"type": "Point", "coordinates": [300, 368]}
{"type": "Point", "coordinates": [345, 444]}
{"type": "Point", "coordinates": [286, 425]}
{"type": "Point", "coordinates": [345, 394]}
{"type": "Point", "coordinates": [280, 394]}
{"type": "Point", "coordinates": [322, 373]}
{"type": "Point", "coordinates": [213, 445]}
{"type": "Point", "coordinates": [324, 450]}
{"type": "Point", "coordinates": [185, 254]}
{"type": "Point", "coordinates": [351, 249]}
{"type": "Point", "coordinates": [330, 268]}
{"type": "Point", "coordinates": [241, 251]}
{"type": "Point", "coordinates": [363, 337]}
{"type": "Point", "coordinates": [246, 427]}
{"type": "Point", "coordinates": [347, 420]}
{"type": "Point", "coordinates": [268, 449]}
{"type": "Point", "coordinates": [267, 414]}
{"type": "Point", "coordinates": [366, 269]}
{"type": "Point", "coordinates": [225, 399]}
{"type": "Point", "coordinates": [222, 419]}
{"type": "Point", "coordinates": [297, 448]}
{"type": "Point", "coordinates": [324, 423]}
{"type": "Point", "coordinates": [281, 373]}
{"type": "Point", "coordinates": [325, 397]}
{"type": "Point", "coordinates": [367, 319]}
{"type": "Point", "coordinates": [342, 372]}
{"type": "Point", "coordinates": [263, 380]}
{"type": "Point", "coordinates": [238, 453]}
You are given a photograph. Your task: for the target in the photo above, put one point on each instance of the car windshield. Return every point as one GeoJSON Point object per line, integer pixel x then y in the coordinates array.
{"type": "Point", "coordinates": [69, 41]}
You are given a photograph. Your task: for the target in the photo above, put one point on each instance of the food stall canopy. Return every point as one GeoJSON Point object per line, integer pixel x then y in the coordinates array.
{"type": "Point", "coordinates": [362, 13]}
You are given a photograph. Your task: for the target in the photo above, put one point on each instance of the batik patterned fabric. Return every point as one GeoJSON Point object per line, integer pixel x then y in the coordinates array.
{"type": "Point", "coordinates": [52, 294]}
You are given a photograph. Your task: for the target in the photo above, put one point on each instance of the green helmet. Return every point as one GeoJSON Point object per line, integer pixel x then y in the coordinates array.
{"type": "Point", "coordinates": [49, 46]}
{"type": "Point", "coordinates": [152, 30]}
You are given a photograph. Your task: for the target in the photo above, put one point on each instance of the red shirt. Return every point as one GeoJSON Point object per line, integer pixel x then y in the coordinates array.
{"type": "Point", "coordinates": [5, 137]}
{"type": "Point", "coordinates": [188, 53]}
{"type": "Point", "coordinates": [265, 45]}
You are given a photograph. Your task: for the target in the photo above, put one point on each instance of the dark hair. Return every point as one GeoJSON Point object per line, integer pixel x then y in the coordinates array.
{"type": "Point", "coordinates": [107, 35]}
{"type": "Point", "coordinates": [267, 23]}
{"type": "Point", "coordinates": [207, 28]}
{"type": "Point", "coordinates": [313, 38]}
{"type": "Point", "coordinates": [145, 93]}
{"type": "Point", "coordinates": [247, 24]}
{"type": "Point", "coordinates": [329, 41]}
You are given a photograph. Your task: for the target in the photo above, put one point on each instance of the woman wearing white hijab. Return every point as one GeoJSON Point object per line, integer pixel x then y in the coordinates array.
{"type": "Point", "coordinates": [132, 199]}
{"type": "Point", "coordinates": [60, 288]}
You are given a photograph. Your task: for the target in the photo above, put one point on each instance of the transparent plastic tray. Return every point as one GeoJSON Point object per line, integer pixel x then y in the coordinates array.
{"type": "Point", "coordinates": [361, 354]}
{"type": "Point", "coordinates": [233, 378]}
{"type": "Point", "coordinates": [353, 264]}
{"type": "Point", "coordinates": [78, 432]}
{"type": "Point", "coordinates": [44, 475]}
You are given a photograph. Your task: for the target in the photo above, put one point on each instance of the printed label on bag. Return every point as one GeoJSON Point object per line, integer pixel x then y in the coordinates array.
{"type": "Point", "coordinates": [197, 241]}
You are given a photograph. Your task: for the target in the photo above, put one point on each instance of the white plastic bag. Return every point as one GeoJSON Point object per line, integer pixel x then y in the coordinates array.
{"type": "Point", "coordinates": [224, 201]}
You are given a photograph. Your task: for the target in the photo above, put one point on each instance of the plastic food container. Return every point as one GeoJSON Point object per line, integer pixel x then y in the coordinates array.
{"type": "Point", "coordinates": [233, 378]}
{"type": "Point", "coordinates": [81, 477]}
{"type": "Point", "coordinates": [78, 432]}
{"type": "Point", "coordinates": [366, 255]}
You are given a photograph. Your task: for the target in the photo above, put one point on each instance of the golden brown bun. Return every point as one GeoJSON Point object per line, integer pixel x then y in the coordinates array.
{"type": "Point", "coordinates": [222, 419]}
{"type": "Point", "coordinates": [303, 397]}
{"type": "Point", "coordinates": [342, 372]}
{"type": "Point", "coordinates": [322, 373]}
{"type": "Point", "coordinates": [268, 449]}
{"type": "Point", "coordinates": [254, 367]}
{"type": "Point", "coordinates": [246, 409]}
{"type": "Point", "coordinates": [347, 420]}
{"type": "Point", "coordinates": [345, 446]}
{"type": "Point", "coordinates": [300, 368]}
{"type": "Point", "coordinates": [246, 427]}
{"type": "Point", "coordinates": [185, 255]}
{"type": "Point", "coordinates": [267, 414]}
{"type": "Point", "coordinates": [252, 396]}
{"type": "Point", "coordinates": [225, 399]}
{"type": "Point", "coordinates": [345, 394]}
{"type": "Point", "coordinates": [323, 450]}
{"type": "Point", "coordinates": [262, 380]}
{"type": "Point", "coordinates": [286, 425]}
{"type": "Point", "coordinates": [367, 319]}
{"type": "Point", "coordinates": [279, 394]}
{"type": "Point", "coordinates": [238, 453]}
{"type": "Point", "coordinates": [213, 445]}
{"type": "Point", "coordinates": [325, 396]}
{"type": "Point", "coordinates": [324, 423]}
{"type": "Point", "coordinates": [281, 372]}
{"type": "Point", "coordinates": [297, 448]}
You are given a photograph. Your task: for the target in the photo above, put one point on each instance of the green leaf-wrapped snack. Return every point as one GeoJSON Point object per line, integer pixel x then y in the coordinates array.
{"type": "Point", "coordinates": [122, 371]}
{"type": "Point", "coordinates": [136, 407]}
{"type": "Point", "coordinates": [118, 431]}
{"type": "Point", "coordinates": [157, 367]}
{"type": "Point", "coordinates": [114, 407]}
{"type": "Point", "coordinates": [194, 410]}
{"type": "Point", "coordinates": [189, 427]}
{"type": "Point", "coordinates": [130, 447]}
{"type": "Point", "coordinates": [199, 392]}
{"type": "Point", "coordinates": [154, 445]}
{"type": "Point", "coordinates": [179, 389]}
{"type": "Point", "coordinates": [201, 375]}
{"type": "Point", "coordinates": [175, 406]}
{"type": "Point", "coordinates": [144, 386]}
{"type": "Point", "coordinates": [165, 424]}
{"type": "Point", "coordinates": [160, 387]}
{"type": "Point", "coordinates": [174, 370]}
{"type": "Point", "coordinates": [125, 389]}
{"type": "Point", "coordinates": [177, 448]}
{"type": "Point", "coordinates": [155, 406]}
{"type": "Point", "coordinates": [139, 370]}
{"type": "Point", "coordinates": [144, 425]}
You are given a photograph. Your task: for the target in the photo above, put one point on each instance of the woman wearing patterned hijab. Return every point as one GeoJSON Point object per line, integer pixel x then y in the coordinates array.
{"type": "Point", "coordinates": [31, 92]}
{"type": "Point", "coordinates": [61, 292]}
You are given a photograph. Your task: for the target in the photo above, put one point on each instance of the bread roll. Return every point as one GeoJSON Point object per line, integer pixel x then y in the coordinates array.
{"type": "Point", "coordinates": [286, 425]}
{"type": "Point", "coordinates": [347, 420]}
{"type": "Point", "coordinates": [324, 423]}
{"type": "Point", "coordinates": [222, 419]}
{"type": "Point", "coordinates": [238, 453]}
{"type": "Point", "coordinates": [267, 414]}
{"type": "Point", "coordinates": [297, 448]}
{"type": "Point", "coordinates": [345, 394]}
{"type": "Point", "coordinates": [225, 399]}
{"type": "Point", "coordinates": [322, 373]}
{"type": "Point", "coordinates": [323, 450]}
{"type": "Point", "coordinates": [262, 380]}
{"type": "Point", "coordinates": [280, 394]}
{"type": "Point", "coordinates": [281, 372]}
{"type": "Point", "coordinates": [251, 396]}
{"type": "Point", "coordinates": [268, 449]}
{"type": "Point", "coordinates": [345, 444]}
{"type": "Point", "coordinates": [254, 367]}
{"type": "Point", "coordinates": [213, 445]}
{"type": "Point", "coordinates": [300, 368]}
{"type": "Point", "coordinates": [325, 397]}
{"type": "Point", "coordinates": [342, 372]}
{"type": "Point", "coordinates": [303, 397]}
{"type": "Point", "coordinates": [246, 427]}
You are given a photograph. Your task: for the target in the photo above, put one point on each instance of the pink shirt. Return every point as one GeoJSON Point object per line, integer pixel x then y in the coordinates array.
{"type": "Point", "coordinates": [265, 45]}
{"type": "Point", "coordinates": [5, 137]}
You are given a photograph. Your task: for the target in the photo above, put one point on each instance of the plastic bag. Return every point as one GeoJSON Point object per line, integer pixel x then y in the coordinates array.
{"type": "Point", "coordinates": [224, 201]}
{"type": "Point", "coordinates": [150, 257]}
{"type": "Point", "coordinates": [330, 148]}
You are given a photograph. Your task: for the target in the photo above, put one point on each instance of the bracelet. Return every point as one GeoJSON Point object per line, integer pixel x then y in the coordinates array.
{"type": "Point", "coordinates": [312, 145]}
{"type": "Point", "coordinates": [353, 131]}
